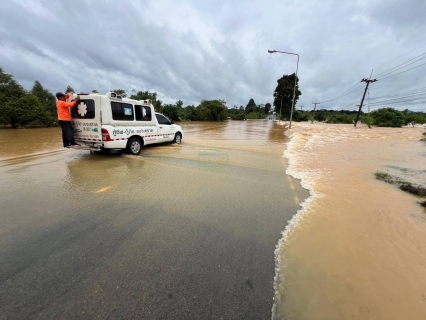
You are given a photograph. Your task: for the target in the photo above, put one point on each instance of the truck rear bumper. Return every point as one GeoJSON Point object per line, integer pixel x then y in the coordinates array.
{"type": "Point", "coordinates": [116, 144]}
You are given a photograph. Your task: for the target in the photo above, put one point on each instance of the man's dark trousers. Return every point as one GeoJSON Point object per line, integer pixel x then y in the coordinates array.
{"type": "Point", "coordinates": [67, 133]}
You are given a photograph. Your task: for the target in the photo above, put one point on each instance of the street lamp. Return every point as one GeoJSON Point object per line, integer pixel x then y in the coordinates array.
{"type": "Point", "coordinates": [277, 94]}
{"type": "Point", "coordinates": [295, 80]}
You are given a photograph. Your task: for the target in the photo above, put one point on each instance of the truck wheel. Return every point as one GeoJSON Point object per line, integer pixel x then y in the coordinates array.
{"type": "Point", "coordinates": [178, 138]}
{"type": "Point", "coordinates": [134, 146]}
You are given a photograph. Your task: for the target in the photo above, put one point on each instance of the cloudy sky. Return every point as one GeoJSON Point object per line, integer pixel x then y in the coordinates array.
{"type": "Point", "coordinates": [194, 50]}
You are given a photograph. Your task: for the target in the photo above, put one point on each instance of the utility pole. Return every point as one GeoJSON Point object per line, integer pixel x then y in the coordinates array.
{"type": "Point", "coordinates": [368, 100]}
{"type": "Point", "coordinates": [315, 103]}
{"type": "Point", "coordinates": [301, 107]}
{"type": "Point", "coordinates": [367, 81]}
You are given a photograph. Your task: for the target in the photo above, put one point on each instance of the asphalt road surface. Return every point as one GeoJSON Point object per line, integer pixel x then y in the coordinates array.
{"type": "Point", "coordinates": [180, 232]}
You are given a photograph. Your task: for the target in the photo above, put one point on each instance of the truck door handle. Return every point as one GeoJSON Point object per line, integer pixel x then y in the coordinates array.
{"type": "Point", "coordinates": [161, 127]}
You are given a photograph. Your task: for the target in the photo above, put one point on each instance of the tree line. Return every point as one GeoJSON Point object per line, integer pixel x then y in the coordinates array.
{"type": "Point", "coordinates": [37, 108]}
{"type": "Point", "coordinates": [384, 117]}
{"type": "Point", "coordinates": [288, 85]}
{"type": "Point", "coordinates": [207, 110]}
{"type": "Point", "coordinates": [21, 108]}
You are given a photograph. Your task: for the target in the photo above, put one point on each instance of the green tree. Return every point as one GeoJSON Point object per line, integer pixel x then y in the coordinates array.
{"type": "Point", "coordinates": [251, 106]}
{"type": "Point", "coordinates": [388, 117]}
{"type": "Point", "coordinates": [297, 116]}
{"type": "Point", "coordinates": [255, 115]}
{"type": "Point", "coordinates": [46, 98]}
{"type": "Point", "coordinates": [180, 110]}
{"type": "Point", "coordinates": [10, 91]}
{"type": "Point", "coordinates": [179, 104]}
{"type": "Point", "coordinates": [28, 111]}
{"type": "Point", "coordinates": [237, 113]}
{"type": "Point", "coordinates": [267, 107]}
{"type": "Point", "coordinates": [417, 118]}
{"type": "Point", "coordinates": [120, 92]}
{"type": "Point", "coordinates": [285, 88]}
{"type": "Point", "coordinates": [171, 111]}
{"type": "Point", "coordinates": [146, 95]}
{"type": "Point", "coordinates": [191, 113]}
{"type": "Point", "coordinates": [212, 110]}
{"type": "Point", "coordinates": [320, 115]}
{"type": "Point", "coordinates": [69, 89]}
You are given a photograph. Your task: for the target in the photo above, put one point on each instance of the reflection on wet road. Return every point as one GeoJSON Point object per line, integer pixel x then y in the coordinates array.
{"type": "Point", "coordinates": [180, 232]}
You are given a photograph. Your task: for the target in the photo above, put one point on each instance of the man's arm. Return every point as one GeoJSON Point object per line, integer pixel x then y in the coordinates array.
{"type": "Point", "coordinates": [72, 103]}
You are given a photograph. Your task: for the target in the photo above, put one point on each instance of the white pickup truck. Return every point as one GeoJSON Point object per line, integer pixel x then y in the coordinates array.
{"type": "Point", "coordinates": [111, 122]}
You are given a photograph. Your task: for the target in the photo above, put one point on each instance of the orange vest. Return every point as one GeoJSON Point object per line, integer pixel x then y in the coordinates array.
{"type": "Point", "coordinates": [63, 109]}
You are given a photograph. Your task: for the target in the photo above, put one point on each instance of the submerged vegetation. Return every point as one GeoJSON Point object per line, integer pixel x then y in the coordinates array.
{"type": "Point", "coordinates": [418, 190]}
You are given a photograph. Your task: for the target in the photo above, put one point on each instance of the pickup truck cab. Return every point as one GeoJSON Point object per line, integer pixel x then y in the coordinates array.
{"type": "Point", "coordinates": [109, 121]}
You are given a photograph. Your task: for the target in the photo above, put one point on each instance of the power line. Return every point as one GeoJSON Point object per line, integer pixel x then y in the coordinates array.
{"type": "Point", "coordinates": [401, 66]}
{"type": "Point", "coordinates": [399, 96]}
{"type": "Point", "coordinates": [401, 56]}
{"type": "Point", "coordinates": [346, 93]}
{"type": "Point", "coordinates": [405, 98]}
{"type": "Point", "coordinates": [385, 74]}
{"type": "Point", "coordinates": [416, 101]}
{"type": "Point", "coordinates": [401, 72]}
{"type": "Point", "coordinates": [402, 93]}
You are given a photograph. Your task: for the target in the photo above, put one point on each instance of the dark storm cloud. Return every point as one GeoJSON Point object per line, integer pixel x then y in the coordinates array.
{"type": "Point", "coordinates": [207, 50]}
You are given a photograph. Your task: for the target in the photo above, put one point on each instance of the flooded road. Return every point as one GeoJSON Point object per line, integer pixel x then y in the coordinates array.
{"type": "Point", "coordinates": [180, 232]}
{"type": "Point", "coordinates": [357, 249]}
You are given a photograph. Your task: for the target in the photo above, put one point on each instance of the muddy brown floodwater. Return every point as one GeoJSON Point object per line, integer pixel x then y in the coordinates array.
{"type": "Point", "coordinates": [180, 232]}
{"type": "Point", "coordinates": [357, 249]}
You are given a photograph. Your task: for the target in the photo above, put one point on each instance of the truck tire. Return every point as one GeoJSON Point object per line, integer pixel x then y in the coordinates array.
{"type": "Point", "coordinates": [178, 138]}
{"type": "Point", "coordinates": [134, 146]}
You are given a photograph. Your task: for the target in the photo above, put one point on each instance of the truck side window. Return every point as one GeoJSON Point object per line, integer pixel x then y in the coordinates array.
{"type": "Point", "coordinates": [143, 113]}
{"type": "Point", "coordinates": [122, 111]}
{"type": "Point", "coordinates": [162, 119]}
{"type": "Point", "coordinates": [84, 109]}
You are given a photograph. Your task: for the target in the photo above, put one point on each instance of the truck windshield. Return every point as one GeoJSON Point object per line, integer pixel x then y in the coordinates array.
{"type": "Point", "coordinates": [162, 119]}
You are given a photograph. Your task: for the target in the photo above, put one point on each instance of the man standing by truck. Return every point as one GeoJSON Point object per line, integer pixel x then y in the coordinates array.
{"type": "Point", "coordinates": [64, 117]}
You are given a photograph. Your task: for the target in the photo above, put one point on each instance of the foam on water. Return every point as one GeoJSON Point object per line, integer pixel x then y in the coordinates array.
{"type": "Point", "coordinates": [296, 149]}
{"type": "Point", "coordinates": [308, 143]}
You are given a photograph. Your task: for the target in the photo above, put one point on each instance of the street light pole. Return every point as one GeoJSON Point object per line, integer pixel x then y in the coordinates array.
{"type": "Point", "coordinates": [295, 80]}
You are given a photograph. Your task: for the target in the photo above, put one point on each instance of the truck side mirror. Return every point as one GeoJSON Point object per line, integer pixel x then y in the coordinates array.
{"type": "Point", "coordinates": [171, 122]}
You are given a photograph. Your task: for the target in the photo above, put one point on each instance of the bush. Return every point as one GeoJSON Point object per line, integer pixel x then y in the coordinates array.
{"type": "Point", "coordinates": [27, 111]}
{"type": "Point", "coordinates": [388, 117]}
{"type": "Point", "coordinates": [416, 118]}
{"type": "Point", "coordinates": [255, 115]}
{"type": "Point", "coordinates": [368, 120]}
{"type": "Point", "coordinates": [238, 116]}
{"type": "Point", "coordinates": [339, 118]}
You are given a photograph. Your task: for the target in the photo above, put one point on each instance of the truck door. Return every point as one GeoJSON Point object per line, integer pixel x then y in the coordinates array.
{"type": "Point", "coordinates": [86, 120]}
{"type": "Point", "coordinates": [165, 130]}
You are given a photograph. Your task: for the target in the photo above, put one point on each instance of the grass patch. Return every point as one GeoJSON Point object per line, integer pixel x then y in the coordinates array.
{"type": "Point", "coordinates": [386, 177]}
{"type": "Point", "coordinates": [403, 185]}
{"type": "Point", "coordinates": [417, 190]}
